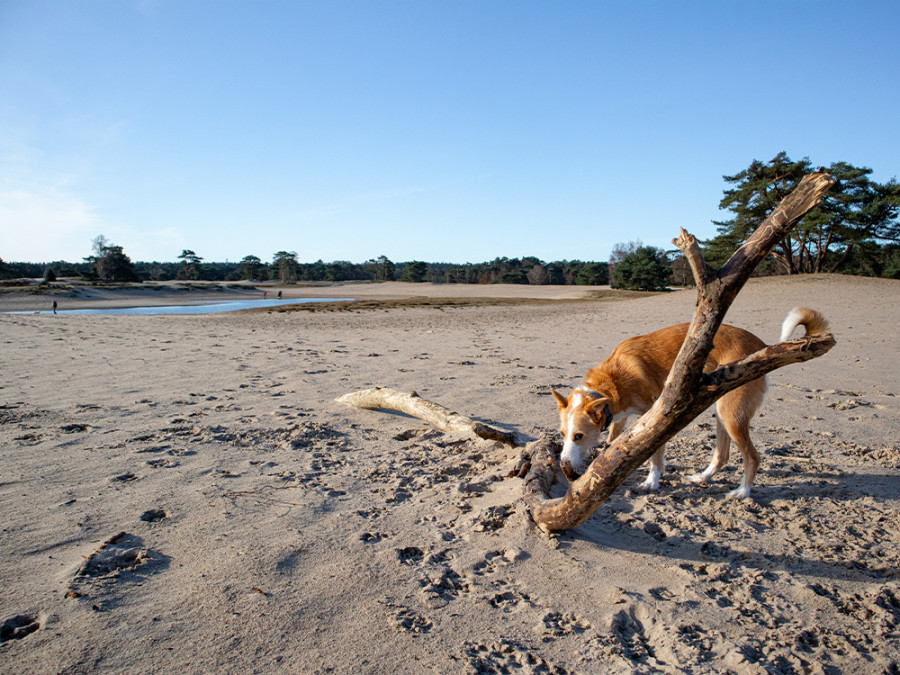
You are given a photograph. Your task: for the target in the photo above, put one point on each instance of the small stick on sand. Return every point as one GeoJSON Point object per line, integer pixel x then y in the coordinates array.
{"type": "Point", "coordinates": [382, 398]}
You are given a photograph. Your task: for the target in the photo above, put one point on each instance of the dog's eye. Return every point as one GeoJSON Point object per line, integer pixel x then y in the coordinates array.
{"type": "Point", "coordinates": [577, 437]}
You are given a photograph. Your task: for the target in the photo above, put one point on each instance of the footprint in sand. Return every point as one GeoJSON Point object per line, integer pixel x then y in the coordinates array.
{"type": "Point", "coordinates": [373, 537]}
{"type": "Point", "coordinates": [490, 563]}
{"type": "Point", "coordinates": [507, 656]}
{"type": "Point", "coordinates": [123, 552]}
{"type": "Point", "coordinates": [632, 636]}
{"type": "Point", "coordinates": [122, 478]}
{"type": "Point", "coordinates": [74, 428]}
{"type": "Point", "coordinates": [441, 585]}
{"type": "Point", "coordinates": [493, 518]}
{"type": "Point", "coordinates": [511, 600]}
{"type": "Point", "coordinates": [560, 624]}
{"type": "Point", "coordinates": [19, 626]}
{"type": "Point", "coordinates": [409, 621]}
{"type": "Point", "coordinates": [162, 463]}
{"type": "Point", "coordinates": [154, 515]}
{"type": "Point", "coordinates": [152, 449]}
{"type": "Point", "coordinates": [410, 555]}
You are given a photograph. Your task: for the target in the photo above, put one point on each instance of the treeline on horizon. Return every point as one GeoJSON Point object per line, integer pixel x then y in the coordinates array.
{"type": "Point", "coordinates": [854, 230]}
{"type": "Point", "coordinates": [285, 268]}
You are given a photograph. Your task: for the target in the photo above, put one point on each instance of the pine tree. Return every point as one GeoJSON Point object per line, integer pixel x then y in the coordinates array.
{"type": "Point", "coordinates": [855, 211]}
{"type": "Point", "coordinates": [109, 262]}
{"type": "Point", "coordinates": [190, 265]}
{"type": "Point", "coordinates": [646, 269]}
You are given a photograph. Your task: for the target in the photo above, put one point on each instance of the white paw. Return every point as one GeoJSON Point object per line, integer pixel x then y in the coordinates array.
{"type": "Point", "coordinates": [649, 485]}
{"type": "Point", "coordinates": [742, 492]}
{"type": "Point", "coordinates": [696, 478]}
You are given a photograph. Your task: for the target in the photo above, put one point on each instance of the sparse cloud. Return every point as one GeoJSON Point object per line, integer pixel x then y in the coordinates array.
{"type": "Point", "coordinates": [45, 224]}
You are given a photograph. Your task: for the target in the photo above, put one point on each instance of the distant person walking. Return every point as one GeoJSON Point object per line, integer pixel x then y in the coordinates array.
{"type": "Point", "coordinates": [265, 294]}
{"type": "Point", "coordinates": [54, 306]}
{"type": "Point", "coordinates": [279, 295]}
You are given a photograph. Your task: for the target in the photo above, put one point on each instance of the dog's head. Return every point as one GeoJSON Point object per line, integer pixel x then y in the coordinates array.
{"type": "Point", "coordinates": [583, 418]}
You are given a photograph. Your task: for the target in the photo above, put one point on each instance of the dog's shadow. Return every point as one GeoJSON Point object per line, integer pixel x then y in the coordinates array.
{"type": "Point", "coordinates": [648, 536]}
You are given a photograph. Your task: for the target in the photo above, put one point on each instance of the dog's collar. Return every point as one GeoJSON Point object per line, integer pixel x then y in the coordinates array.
{"type": "Point", "coordinates": [607, 413]}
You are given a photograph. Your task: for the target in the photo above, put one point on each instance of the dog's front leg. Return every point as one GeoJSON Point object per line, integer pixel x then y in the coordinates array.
{"type": "Point", "coordinates": [657, 466]}
{"type": "Point", "coordinates": [657, 461]}
{"type": "Point", "coordinates": [614, 430]}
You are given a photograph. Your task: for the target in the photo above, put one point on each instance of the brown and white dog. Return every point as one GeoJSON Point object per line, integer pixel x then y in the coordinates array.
{"type": "Point", "coordinates": [630, 379]}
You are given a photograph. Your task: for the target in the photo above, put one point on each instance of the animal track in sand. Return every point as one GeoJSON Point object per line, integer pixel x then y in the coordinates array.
{"type": "Point", "coordinates": [410, 555]}
{"type": "Point", "coordinates": [411, 622]}
{"type": "Point", "coordinates": [441, 585]}
{"type": "Point", "coordinates": [154, 515]}
{"type": "Point", "coordinates": [694, 642]}
{"type": "Point", "coordinates": [122, 478]}
{"type": "Point", "coordinates": [373, 537]}
{"type": "Point", "coordinates": [180, 452]}
{"type": "Point", "coordinates": [122, 553]}
{"type": "Point", "coordinates": [74, 428]}
{"type": "Point", "coordinates": [493, 518]}
{"type": "Point", "coordinates": [19, 626]}
{"type": "Point", "coordinates": [508, 656]}
{"type": "Point", "coordinates": [631, 636]}
{"type": "Point", "coordinates": [879, 611]}
{"type": "Point", "coordinates": [560, 624]}
{"type": "Point", "coordinates": [151, 448]}
{"type": "Point", "coordinates": [887, 456]}
{"type": "Point", "coordinates": [489, 565]}
{"type": "Point", "coordinates": [162, 463]}
{"type": "Point", "coordinates": [510, 600]}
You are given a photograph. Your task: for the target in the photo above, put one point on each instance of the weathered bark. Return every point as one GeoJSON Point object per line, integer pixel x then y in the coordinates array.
{"type": "Point", "coordinates": [539, 479]}
{"type": "Point", "coordinates": [437, 416]}
{"type": "Point", "coordinates": [688, 391]}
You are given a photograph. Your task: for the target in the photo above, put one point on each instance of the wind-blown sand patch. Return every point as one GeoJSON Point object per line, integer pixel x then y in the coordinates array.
{"type": "Point", "coordinates": [272, 529]}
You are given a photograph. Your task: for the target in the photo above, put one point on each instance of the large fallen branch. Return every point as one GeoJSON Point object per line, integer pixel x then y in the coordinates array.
{"type": "Point", "coordinates": [381, 398]}
{"type": "Point", "coordinates": [688, 391]}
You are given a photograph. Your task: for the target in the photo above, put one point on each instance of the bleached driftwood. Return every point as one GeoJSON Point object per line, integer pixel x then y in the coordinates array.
{"type": "Point", "coordinates": [688, 390]}
{"type": "Point", "coordinates": [437, 416]}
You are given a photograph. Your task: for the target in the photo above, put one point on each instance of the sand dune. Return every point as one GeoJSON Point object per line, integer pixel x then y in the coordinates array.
{"type": "Point", "coordinates": [183, 494]}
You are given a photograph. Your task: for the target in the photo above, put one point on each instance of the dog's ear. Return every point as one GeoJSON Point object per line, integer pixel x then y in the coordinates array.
{"type": "Point", "coordinates": [561, 400]}
{"type": "Point", "coordinates": [598, 411]}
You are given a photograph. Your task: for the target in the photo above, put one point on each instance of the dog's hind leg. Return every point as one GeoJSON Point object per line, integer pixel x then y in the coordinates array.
{"type": "Point", "coordinates": [740, 433]}
{"type": "Point", "coordinates": [657, 466]}
{"type": "Point", "coordinates": [735, 410]}
{"type": "Point", "coordinates": [720, 454]}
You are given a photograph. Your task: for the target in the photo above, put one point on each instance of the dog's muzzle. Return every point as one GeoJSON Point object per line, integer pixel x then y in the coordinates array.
{"type": "Point", "coordinates": [570, 472]}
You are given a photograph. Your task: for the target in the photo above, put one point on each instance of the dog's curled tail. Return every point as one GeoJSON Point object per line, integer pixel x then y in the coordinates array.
{"type": "Point", "coordinates": [810, 319]}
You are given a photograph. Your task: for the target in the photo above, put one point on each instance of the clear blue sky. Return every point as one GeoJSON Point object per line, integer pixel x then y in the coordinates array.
{"type": "Point", "coordinates": [451, 130]}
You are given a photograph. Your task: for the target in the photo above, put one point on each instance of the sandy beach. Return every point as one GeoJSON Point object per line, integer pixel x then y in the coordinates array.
{"type": "Point", "coordinates": [184, 494]}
